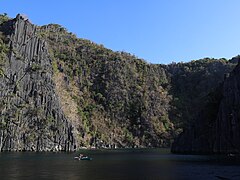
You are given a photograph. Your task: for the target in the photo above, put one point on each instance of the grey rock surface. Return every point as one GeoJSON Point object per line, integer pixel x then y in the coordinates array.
{"type": "Point", "coordinates": [31, 117]}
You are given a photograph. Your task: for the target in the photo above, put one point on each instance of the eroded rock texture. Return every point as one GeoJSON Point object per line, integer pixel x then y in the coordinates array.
{"type": "Point", "coordinates": [228, 120]}
{"type": "Point", "coordinates": [217, 128]}
{"type": "Point", "coordinates": [60, 92]}
{"type": "Point", "coordinates": [31, 117]}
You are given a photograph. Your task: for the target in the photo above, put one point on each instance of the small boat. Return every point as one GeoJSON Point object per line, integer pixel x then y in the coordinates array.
{"type": "Point", "coordinates": [86, 158]}
{"type": "Point", "coordinates": [81, 157]}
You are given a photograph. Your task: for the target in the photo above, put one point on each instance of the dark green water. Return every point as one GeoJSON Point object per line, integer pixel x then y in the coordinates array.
{"type": "Point", "coordinates": [117, 164]}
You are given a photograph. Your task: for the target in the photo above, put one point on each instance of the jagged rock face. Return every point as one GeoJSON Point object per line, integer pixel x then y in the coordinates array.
{"type": "Point", "coordinates": [116, 99]}
{"type": "Point", "coordinates": [140, 104]}
{"type": "Point", "coordinates": [228, 121]}
{"type": "Point", "coordinates": [31, 117]}
{"type": "Point", "coordinates": [217, 129]}
{"type": "Point", "coordinates": [59, 92]}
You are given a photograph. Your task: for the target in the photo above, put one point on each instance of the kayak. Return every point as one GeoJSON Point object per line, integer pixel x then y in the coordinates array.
{"type": "Point", "coordinates": [86, 158]}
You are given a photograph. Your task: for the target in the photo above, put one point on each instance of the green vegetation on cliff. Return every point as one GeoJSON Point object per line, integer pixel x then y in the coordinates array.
{"type": "Point", "coordinates": [191, 83]}
{"type": "Point", "coordinates": [215, 129]}
{"type": "Point", "coordinates": [103, 98]}
{"type": "Point", "coordinates": [124, 100]}
{"type": "Point", "coordinates": [4, 49]}
{"type": "Point", "coordinates": [121, 98]}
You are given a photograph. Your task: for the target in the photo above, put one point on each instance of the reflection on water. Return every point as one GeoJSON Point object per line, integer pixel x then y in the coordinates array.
{"type": "Point", "coordinates": [117, 164]}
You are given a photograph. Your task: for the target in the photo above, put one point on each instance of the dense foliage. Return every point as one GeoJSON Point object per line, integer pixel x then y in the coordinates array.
{"type": "Point", "coordinates": [122, 99]}
{"type": "Point", "coordinates": [4, 49]}
{"type": "Point", "coordinates": [191, 83]}
{"type": "Point", "coordinates": [114, 99]}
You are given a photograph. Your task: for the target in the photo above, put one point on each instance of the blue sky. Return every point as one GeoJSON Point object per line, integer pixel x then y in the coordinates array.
{"type": "Point", "coordinates": [159, 31]}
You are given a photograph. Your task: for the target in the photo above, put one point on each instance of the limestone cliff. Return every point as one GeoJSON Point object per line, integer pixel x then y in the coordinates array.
{"type": "Point", "coordinates": [217, 128]}
{"type": "Point", "coordinates": [31, 117]}
{"type": "Point", "coordinates": [227, 129]}
{"type": "Point", "coordinates": [60, 92]}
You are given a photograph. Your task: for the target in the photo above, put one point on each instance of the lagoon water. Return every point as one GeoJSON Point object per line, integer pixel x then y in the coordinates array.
{"type": "Point", "coordinates": [117, 165]}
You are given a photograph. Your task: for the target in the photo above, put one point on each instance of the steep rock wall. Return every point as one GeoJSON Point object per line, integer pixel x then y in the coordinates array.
{"type": "Point", "coordinates": [31, 117]}
{"type": "Point", "coordinates": [106, 98]}
{"type": "Point", "coordinates": [217, 128]}
{"type": "Point", "coordinates": [228, 120]}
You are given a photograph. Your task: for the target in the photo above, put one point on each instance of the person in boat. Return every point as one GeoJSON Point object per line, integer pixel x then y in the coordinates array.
{"type": "Point", "coordinates": [82, 155]}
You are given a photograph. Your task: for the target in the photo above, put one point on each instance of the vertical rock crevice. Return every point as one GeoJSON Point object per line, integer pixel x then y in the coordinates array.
{"type": "Point", "coordinates": [217, 129]}
{"type": "Point", "coordinates": [227, 130]}
{"type": "Point", "coordinates": [31, 116]}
